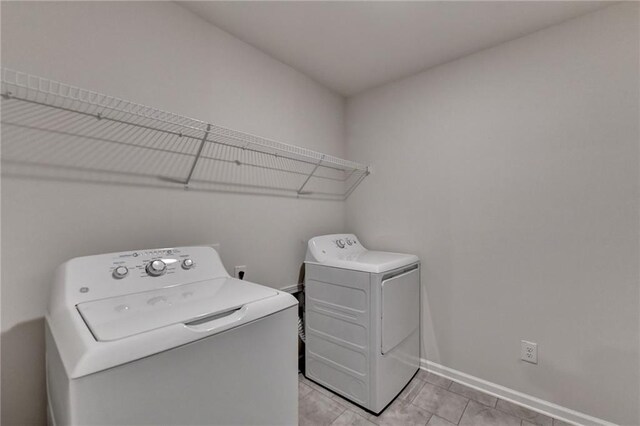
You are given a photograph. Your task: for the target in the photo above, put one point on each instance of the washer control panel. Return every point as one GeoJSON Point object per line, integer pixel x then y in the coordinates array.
{"type": "Point", "coordinates": [113, 274]}
{"type": "Point", "coordinates": [151, 263]}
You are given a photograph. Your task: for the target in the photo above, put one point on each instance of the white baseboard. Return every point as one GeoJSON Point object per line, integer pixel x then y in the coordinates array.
{"type": "Point", "coordinates": [528, 401]}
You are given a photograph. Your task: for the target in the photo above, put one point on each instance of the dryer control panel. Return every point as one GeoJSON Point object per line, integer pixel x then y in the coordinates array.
{"type": "Point", "coordinates": [333, 246]}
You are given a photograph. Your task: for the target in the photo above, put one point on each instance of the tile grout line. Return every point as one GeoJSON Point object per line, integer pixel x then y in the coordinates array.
{"type": "Point", "coordinates": [522, 420]}
{"type": "Point", "coordinates": [463, 411]}
{"type": "Point", "coordinates": [340, 415]}
{"type": "Point", "coordinates": [417, 393]}
{"type": "Point", "coordinates": [484, 393]}
{"type": "Point", "coordinates": [444, 388]}
{"type": "Point", "coordinates": [331, 399]}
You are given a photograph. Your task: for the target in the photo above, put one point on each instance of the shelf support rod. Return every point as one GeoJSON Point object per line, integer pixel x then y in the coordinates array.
{"type": "Point", "coordinates": [310, 175]}
{"type": "Point", "coordinates": [360, 178]}
{"type": "Point", "coordinates": [195, 161]}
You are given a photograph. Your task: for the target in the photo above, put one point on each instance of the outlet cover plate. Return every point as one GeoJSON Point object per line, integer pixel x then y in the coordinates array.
{"type": "Point", "coordinates": [529, 351]}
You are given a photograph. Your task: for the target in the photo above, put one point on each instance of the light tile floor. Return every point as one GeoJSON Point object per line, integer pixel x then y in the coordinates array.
{"type": "Point", "coordinates": [428, 399]}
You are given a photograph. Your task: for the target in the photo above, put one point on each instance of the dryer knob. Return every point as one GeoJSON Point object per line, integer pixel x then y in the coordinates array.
{"type": "Point", "coordinates": [187, 264]}
{"type": "Point", "coordinates": [349, 242]}
{"type": "Point", "coordinates": [156, 268]}
{"type": "Point", "coordinates": [340, 243]}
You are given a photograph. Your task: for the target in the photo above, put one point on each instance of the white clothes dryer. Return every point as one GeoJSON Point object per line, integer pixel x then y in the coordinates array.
{"type": "Point", "coordinates": [362, 319]}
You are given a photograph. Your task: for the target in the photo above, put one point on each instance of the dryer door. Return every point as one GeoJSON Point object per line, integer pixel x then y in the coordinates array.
{"type": "Point", "coordinates": [400, 306]}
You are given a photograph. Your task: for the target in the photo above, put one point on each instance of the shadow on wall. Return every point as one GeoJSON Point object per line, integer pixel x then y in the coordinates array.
{"type": "Point", "coordinates": [24, 401]}
{"type": "Point", "coordinates": [429, 349]}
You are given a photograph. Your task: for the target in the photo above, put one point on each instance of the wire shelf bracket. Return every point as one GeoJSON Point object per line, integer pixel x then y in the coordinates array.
{"type": "Point", "coordinates": [195, 161]}
{"type": "Point", "coordinates": [310, 176]}
{"type": "Point", "coordinates": [53, 130]}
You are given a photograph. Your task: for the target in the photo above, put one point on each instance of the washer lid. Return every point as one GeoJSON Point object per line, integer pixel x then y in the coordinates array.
{"type": "Point", "coordinates": [371, 261]}
{"type": "Point", "coordinates": [123, 316]}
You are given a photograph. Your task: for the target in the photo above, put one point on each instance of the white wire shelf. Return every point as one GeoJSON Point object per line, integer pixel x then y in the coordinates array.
{"type": "Point", "coordinates": [53, 130]}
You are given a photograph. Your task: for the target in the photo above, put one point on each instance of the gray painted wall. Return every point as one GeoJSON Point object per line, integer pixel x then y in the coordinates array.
{"type": "Point", "coordinates": [158, 54]}
{"type": "Point", "coordinates": [513, 174]}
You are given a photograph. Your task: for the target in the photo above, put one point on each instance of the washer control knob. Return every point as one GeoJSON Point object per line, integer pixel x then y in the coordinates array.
{"type": "Point", "coordinates": [340, 243]}
{"type": "Point", "coordinates": [120, 272]}
{"type": "Point", "coordinates": [349, 242]}
{"type": "Point", "coordinates": [156, 268]}
{"type": "Point", "coordinates": [187, 264]}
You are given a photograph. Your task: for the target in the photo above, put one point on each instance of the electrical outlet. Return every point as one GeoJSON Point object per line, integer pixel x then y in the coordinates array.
{"type": "Point", "coordinates": [529, 351]}
{"type": "Point", "coordinates": [240, 271]}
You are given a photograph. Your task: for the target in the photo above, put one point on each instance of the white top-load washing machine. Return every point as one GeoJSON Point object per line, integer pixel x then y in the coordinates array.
{"type": "Point", "coordinates": [168, 337]}
{"type": "Point", "coordinates": [362, 319]}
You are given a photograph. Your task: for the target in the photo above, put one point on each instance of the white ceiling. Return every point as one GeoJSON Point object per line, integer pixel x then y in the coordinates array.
{"type": "Point", "coordinates": [352, 46]}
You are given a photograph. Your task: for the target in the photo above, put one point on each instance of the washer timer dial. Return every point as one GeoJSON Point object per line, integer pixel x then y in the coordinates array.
{"type": "Point", "coordinates": [156, 268]}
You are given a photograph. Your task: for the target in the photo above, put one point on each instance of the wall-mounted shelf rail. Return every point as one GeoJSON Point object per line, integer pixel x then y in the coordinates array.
{"type": "Point", "coordinates": [53, 130]}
